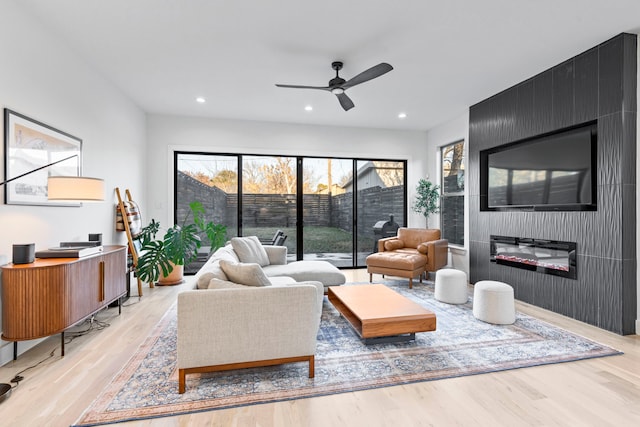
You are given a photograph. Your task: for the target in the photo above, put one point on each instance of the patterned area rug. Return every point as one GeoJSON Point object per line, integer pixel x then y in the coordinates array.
{"type": "Point", "coordinates": [147, 387]}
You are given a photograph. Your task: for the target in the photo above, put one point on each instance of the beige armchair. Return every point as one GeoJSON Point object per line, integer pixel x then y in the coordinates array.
{"type": "Point", "coordinates": [409, 254]}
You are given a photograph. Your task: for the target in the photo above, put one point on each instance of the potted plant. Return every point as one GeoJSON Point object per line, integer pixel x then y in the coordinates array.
{"type": "Point", "coordinates": [427, 198]}
{"type": "Point", "coordinates": [163, 260]}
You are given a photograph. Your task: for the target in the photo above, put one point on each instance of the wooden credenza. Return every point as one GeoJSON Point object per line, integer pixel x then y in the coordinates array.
{"type": "Point", "coordinates": [51, 294]}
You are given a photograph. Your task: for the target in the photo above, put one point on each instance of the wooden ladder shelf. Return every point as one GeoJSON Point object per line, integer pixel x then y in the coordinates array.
{"type": "Point", "coordinates": [132, 248]}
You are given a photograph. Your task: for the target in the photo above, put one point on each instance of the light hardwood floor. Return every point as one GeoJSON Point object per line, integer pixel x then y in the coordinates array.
{"type": "Point", "coordinates": [596, 392]}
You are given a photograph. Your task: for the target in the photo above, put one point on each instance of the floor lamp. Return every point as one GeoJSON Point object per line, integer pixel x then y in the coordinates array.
{"type": "Point", "coordinates": [69, 188]}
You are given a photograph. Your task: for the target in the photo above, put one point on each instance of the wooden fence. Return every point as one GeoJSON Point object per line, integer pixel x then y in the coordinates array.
{"type": "Point", "coordinates": [279, 210]}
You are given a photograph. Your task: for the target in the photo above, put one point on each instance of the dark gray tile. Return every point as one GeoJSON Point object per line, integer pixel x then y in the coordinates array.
{"type": "Point", "coordinates": [524, 282]}
{"type": "Point", "coordinates": [544, 292]}
{"type": "Point", "coordinates": [525, 116]}
{"type": "Point", "coordinates": [563, 291]}
{"type": "Point", "coordinates": [609, 152]}
{"type": "Point", "coordinates": [599, 233]}
{"type": "Point", "coordinates": [630, 66]}
{"type": "Point", "coordinates": [629, 220]}
{"type": "Point", "coordinates": [474, 222]}
{"type": "Point", "coordinates": [586, 294]}
{"type": "Point", "coordinates": [610, 81]}
{"type": "Point", "coordinates": [629, 136]}
{"type": "Point", "coordinates": [505, 104]}
{"type": "Point", "coordinates": [480, 259]}
{"type": "Point", "coordinates": [563, 78]}
{"type": "Point", "coordinates": [609, 286]}
{"type": "Point", "coordinates": [543, 103]}
{"type": "Point", "coordinates": [479, 117]}
{"type": "Point", "coordinates": [473, 172]}
{"type": "Point", "coordinates": [629, 296]}
{"type": "Point", "coordinates": [586, 86]}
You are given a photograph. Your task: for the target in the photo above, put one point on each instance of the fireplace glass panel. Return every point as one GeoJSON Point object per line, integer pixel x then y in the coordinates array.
{"type": "Point", "coordinates": [544, 256]}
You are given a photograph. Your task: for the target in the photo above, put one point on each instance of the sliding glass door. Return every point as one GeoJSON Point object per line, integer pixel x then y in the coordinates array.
{"type": "Point", "coordinates": [211, 180]}
{"type": "Point", "coordinates": [327, 211]}
{"type": "Point", "coordinates": [325, 208]}
{"type": "Point", "coordinates": [269, 199]}
{"type": "Point", "coordinates": [380, 197]}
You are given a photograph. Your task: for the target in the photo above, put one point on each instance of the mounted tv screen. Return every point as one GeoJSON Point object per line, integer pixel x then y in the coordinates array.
{"type": "Point", "coordinates": [552, 172]}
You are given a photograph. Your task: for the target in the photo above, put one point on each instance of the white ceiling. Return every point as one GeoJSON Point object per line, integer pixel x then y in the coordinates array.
{"type": "Point", "coordinates": [446, 54]}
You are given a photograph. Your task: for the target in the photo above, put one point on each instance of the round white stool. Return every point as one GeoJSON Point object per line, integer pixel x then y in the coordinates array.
{"type": "Point", "coordinates": [493, 302]}
{"type": "Point", "coordinates": [451, 286]}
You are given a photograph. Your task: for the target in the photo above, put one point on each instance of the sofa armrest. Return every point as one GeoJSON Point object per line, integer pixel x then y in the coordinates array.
{"type": "Point", "coordinates": [221, 326]}
{"type": "Point", "coordinates": [437, 254]}
{"type": "Point", "coordinates": [319, 288]}
{"type": "Point", "coordinates": [277, 254]}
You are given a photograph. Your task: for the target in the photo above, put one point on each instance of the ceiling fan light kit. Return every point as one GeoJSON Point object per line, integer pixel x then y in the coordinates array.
{"type": "Point", "coordinates": [338, 85]}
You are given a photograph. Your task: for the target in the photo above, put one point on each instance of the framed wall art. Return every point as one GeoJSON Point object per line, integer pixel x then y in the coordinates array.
{"type": "Point", "coordinates": [29, 145]}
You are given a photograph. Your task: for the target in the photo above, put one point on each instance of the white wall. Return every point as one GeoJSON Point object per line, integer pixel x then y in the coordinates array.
{"type": "Point", "coordinates": [446, 133]}
{"type": "Point", "coordinates": [167, 134]}
{"type": "Point", "coordinates": [42, 79]}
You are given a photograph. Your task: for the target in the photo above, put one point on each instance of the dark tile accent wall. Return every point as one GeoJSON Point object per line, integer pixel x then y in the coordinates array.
{"type": "Point", "coordinates": [599, 84]}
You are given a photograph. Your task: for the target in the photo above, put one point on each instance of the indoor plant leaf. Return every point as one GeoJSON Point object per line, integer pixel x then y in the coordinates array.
{"type": "Point", "coordinates": [153, 262]}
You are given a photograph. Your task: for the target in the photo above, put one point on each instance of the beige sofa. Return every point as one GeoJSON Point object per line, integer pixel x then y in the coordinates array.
{"type": "Point", "coordinates": [250, 308]}
{"type": "Point", "coordinates": [411, 253]}
{"type": "Point", "coordinates": [276, 267]}
{"type": "Point", "coordinates": [233, 328]}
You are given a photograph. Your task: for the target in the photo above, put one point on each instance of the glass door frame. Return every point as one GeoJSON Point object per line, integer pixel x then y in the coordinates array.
{"type": "Point", "coordinates": [299, 196]}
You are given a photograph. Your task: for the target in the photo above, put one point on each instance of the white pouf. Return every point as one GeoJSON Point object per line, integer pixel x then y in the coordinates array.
{"type": "Point", "coordinates": [451, 286]}
{"type": "Point", "coordinates": [493, 302]}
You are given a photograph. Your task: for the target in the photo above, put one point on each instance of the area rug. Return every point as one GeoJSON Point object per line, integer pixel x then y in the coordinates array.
{"type": "Point", "coordinates": [147, 387]}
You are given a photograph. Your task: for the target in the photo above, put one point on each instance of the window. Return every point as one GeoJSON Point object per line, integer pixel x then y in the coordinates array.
{"type": "Point", "coordinates": [452, 202]}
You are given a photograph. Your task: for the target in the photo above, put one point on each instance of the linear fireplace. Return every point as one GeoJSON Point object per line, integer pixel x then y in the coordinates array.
{"type": "Point", "coordinates": [544, 256]}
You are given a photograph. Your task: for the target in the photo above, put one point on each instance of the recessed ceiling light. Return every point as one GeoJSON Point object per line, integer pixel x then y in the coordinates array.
{"type": "Point", "coordinates": [402, 115]}
{"type": "Point", "coordinates": [201, 100]}
{"type": "Point", "coordinates": [308, 108]}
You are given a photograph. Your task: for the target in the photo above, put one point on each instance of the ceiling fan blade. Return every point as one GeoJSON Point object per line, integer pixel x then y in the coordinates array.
{"type": "Point", "coordinates": [305, 87]}
{"type": "Point", "coordinates": [345, 101]}
{"type": "Point", "coordinates": [371, 73]}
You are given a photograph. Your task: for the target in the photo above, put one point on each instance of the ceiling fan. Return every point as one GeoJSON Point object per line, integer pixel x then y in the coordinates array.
{"type": "Point", "coordinates": [338, 85]}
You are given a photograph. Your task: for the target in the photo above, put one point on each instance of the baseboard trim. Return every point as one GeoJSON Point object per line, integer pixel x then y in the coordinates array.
{"type": "Point", "coordinates": [6, 349]}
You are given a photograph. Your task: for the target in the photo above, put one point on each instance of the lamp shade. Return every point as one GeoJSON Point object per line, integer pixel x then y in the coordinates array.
{"type": "Point", "coordinates": [75, 189]}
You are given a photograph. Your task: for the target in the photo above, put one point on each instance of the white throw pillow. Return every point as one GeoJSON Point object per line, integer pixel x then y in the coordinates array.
{"type": "Point", "coordinates": [249, 274]}
{"type": "Point", "coordinates": [209, 271]}
{"type": "Point", "coordinates": [225, 284]}
{"type": "Point", "coordinates": [249, 249]}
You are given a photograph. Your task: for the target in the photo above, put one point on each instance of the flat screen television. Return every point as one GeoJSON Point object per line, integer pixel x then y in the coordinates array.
{"type": "Point", "coordinates": [555, 171]}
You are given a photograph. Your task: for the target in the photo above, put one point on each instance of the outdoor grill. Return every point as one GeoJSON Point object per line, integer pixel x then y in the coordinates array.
{"type": "Point", "coordinates": [383, 229]}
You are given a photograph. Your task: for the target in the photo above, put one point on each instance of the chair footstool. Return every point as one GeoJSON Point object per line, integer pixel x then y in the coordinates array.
{"type": "Point", "coordinates": [451, 286]}
{"type": "Point", "coordinates": [493, 302]}
{"type": "Point", "coordinates": [396, 264]}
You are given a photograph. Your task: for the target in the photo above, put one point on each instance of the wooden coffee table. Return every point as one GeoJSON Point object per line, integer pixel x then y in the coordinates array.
{"type": "Point", "coordinates": [379, 314]}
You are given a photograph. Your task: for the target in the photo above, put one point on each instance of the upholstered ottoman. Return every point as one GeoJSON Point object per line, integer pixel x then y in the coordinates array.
{"type": "Point", "coordinates": [451, 286]}
{"type": "Point", "coordinates": [397, 264]}
{"type": "Point", "coordinates": [493, 302]}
